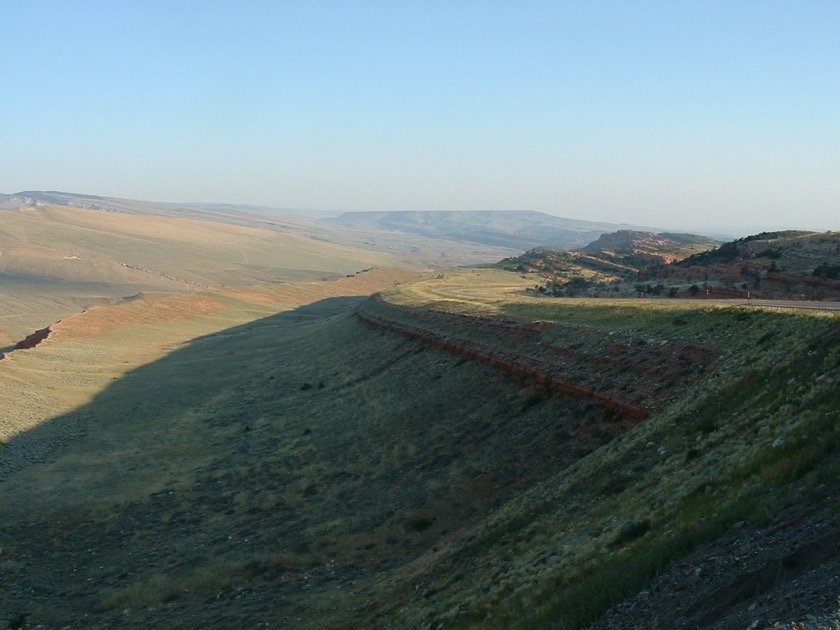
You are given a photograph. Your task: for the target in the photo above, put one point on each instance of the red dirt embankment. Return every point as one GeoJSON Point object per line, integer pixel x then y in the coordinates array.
{"type": "Point", "coordinates": [610, 374]}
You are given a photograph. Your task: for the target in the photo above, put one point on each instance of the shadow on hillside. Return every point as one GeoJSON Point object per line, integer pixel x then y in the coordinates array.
{"type": "Point", "coordinates": [284, 457]}
{"type": "Point", "coordinates": [164, 386]}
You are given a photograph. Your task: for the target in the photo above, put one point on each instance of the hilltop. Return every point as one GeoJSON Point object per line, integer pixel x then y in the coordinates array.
{"type": "Point", "coordinates": [787, 265]}
{"type": "Point", "coordinates": [790, 265]}
{"type": "Point", "coordinates": [648, 247]}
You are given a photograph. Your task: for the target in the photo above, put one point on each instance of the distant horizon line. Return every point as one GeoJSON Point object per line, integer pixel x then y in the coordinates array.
{"type": "Point", "coordinates": [731, 232]}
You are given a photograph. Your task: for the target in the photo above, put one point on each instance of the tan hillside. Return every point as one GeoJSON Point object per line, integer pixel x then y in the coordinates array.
{"type": "Point", "coordinates": [55, 260]}
{"type": "Point", "coordinates": [85, 352]}
{"type": "Point", "coordinates": [75, 244]}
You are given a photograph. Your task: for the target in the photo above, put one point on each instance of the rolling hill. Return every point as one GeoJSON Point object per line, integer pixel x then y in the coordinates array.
{"type": "Point", "coordinates": [439, 239]}
{"type": "Point", "coordinates": [434, 250]}
{"type": "Point", "coordinates": [789, 265]}
{"type": "Point", "coordinates": [518, 230]}
{"type": "Point", "coordinates": [61, 253]}
{"type": "Point", "coordinates": [56, 260]}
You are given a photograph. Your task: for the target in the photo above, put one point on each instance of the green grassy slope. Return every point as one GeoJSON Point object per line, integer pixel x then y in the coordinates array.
{"type": "Point", "coordinates": [311, 470]}
{"type": "Point", "coordinates": [218, 471]}
{"type": "Point", "coordinates": [752, 437]}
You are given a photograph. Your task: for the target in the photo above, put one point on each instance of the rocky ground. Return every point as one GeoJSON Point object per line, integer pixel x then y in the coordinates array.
{"type": "Point", "coordinates": [783, 576]}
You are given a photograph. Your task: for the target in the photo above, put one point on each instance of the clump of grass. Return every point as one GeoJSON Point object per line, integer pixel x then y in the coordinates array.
{"type": "Point", "coordinates": [533, 397]}
{"type": "Point", "coordinates": [161, 588]}
{"type": "Point", "coordinates": [630, 531]}
{"type": "Point", "coordinates": [19, 622]}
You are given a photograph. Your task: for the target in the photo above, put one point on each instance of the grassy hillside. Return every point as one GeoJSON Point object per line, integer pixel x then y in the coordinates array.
{"type": "Point", "coordinates": [437, 241]}
{"type": "Point", "coordinates": [413, 461]}
{"type": "Point", "coordinates": [87, 351]}
{"type": "Point", "coordinates": [56, 260]}
{"type": "Point", "coordinates": [61, 253]}
{"type": "Point", "coordinates": [74, 244]}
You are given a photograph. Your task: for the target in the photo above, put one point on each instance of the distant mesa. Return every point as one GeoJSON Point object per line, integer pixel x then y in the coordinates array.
{"type": "Point", "coordinates": [515, 229]}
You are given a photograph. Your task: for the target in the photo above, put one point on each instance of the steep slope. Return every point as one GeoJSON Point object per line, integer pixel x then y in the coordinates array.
{"type": "Point", "coordinates": [292, 468]}
{"type": "Point", "coordinates": [330, 468]}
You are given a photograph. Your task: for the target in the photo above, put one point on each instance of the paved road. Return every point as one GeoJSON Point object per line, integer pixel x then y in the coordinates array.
{"type": "Point", "coordinates": [818, 306]}
{"type": "Point", "coordinates": [794, 304]}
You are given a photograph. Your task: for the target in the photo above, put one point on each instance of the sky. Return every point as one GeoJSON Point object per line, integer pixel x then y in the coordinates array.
{"type": "Point", "coordinates": [692, 115]}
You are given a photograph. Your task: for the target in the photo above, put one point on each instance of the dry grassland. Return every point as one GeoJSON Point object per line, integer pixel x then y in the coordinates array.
{"type": "Point", "coordinates": [57, 260]}
{"type": "Point", "coordinates": [87, 351]}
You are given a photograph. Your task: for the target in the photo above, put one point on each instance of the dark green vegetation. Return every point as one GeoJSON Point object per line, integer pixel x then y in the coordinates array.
{"type": "Point", "coordinates": [411, 486]}
{"type": "Point", "coordinates": [740, 248]}
{"type": "Point", "coordinates": [609, 263]}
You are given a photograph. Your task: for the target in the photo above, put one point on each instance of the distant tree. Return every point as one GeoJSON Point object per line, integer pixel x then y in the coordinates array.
{"type": "Point", "coordinates": [772, 254]}
{"type": "Point", "coordinates": [576, 285]}
{"type": "Point", "coordinates": [694, 290]}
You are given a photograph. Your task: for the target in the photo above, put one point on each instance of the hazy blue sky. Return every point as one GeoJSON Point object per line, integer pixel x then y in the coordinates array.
{"type": "Point", "coordinates": [676, 114]}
